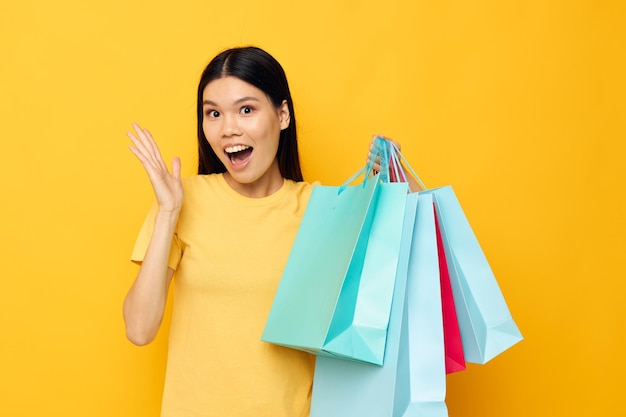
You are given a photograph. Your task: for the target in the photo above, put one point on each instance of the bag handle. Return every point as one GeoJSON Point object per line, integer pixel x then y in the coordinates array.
{"type": "Point", "coordinates": [367, 170]}
{"type": "Point", "coordinates": [395, 152]}
{"type": "Point", "coordinates": [388, 153]}
{"type": "Point", "coordinates": [353, 177]}
{"type": "Point", "coordinates": [395, 170]}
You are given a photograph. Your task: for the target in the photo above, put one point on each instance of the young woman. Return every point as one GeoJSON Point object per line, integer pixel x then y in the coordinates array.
{"type": "Point", "coordinates": [227, 234]}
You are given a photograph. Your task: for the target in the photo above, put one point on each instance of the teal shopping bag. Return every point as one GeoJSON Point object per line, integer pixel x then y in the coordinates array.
{"type": "Point", "coordinates": [411, 382]}
{"type": "Point", "coordinates": [334, 297]}
{"type": "Point", "coordinates": [486, 325]}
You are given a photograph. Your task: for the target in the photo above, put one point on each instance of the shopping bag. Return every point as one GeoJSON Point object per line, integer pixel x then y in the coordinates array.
{"type": "Point", "coordinates": [486, 325]}
{"type": "Point", "coordinates": [334, 297]}
{"type": "Point", "coordinates": [421, 386]}
{"type": "Point", "coordinates": [411, 381]}
{"type": "Point", "coordinates": [455, 358]}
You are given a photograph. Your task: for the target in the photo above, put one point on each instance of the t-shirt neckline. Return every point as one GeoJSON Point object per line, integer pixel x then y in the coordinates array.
{"type": "Point", "coordinates": [260, 201]}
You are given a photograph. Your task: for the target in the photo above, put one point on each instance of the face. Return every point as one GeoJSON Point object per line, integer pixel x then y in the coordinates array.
{"type": "Point", "coordinates": [243, 128]}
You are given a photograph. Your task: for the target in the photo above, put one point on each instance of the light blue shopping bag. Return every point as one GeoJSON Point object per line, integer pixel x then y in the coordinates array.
{"type": "Point", "coordinates": [486, 325]}
{"type": "Point", "coordinates": [335, 293]}
{"type": "Point", "coordinates": [411, 382]}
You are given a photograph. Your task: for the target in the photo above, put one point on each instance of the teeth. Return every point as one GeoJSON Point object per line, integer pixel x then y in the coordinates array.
{"type": "Point", "coordinates": [236, 148]}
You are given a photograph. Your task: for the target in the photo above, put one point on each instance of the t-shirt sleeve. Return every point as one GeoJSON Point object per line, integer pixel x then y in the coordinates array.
{"type": "Point", "coordinates": [143, 240]}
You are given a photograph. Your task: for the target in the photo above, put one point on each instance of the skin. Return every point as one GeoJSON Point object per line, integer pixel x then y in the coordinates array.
{"type": "Point", "coordinates": [235, 114]}
{"type": "Point", "coordinates": [144, 304]}
{"type": "Point", "coordinates": [239, 114]}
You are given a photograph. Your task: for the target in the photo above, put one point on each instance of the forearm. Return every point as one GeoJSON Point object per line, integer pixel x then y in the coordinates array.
{"type": "Point", "coordinates": [145, 302]}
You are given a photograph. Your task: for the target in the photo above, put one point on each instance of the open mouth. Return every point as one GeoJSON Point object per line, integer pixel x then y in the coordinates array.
{"type": "Point", "coordinates": [238, 154]}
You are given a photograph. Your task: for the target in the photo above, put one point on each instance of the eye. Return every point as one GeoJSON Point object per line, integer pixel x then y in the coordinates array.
{"type": "Point", "coordinates": [213, 114]}
{"type": "Point", "coordinates": [246, 110]}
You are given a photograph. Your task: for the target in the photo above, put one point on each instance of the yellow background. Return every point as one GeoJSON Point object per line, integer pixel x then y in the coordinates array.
{"type": "Point", "coordinates": [518, 104]}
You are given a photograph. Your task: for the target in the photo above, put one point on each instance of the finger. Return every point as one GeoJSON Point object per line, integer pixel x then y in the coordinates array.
{"type": "Point", "coordinates": [397, 144]}
{"type": "Point", "coordinates": [149, 147]}
{"type": "Point", "coordinates": [176, 167]}
{"type": "Point", "coordinates": [138, 139]}
{"type": "Point", "coordinates": [373, 144]}
{"type": "Point", "coordinates": [374, 162]}
{"type": "Point", "coordinates": [153, 145]}
{"type": "Point", "coordinates": [144, 136]}
{"type": "Point", "coordinates": [373, 158]}
{"type": "Point", "coordinates": [138, 147]}
{"type": "Point", "coordinates": [146, 162]}
{"type": "Point", "coordinates": [141, 151]}
{"type": "Point", "coordinates": [374, 147]}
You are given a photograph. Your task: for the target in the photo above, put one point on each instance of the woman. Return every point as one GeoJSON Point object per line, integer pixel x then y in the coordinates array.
{"type": "Point", "coordinates": [226, 233]}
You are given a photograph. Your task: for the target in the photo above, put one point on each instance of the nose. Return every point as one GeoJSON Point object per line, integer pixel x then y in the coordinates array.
{"type": "Point", "coordinates": [230, 126]}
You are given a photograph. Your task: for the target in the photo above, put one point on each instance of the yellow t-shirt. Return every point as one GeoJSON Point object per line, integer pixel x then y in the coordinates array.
{"type": "Point", "coordinates": [229, 252]}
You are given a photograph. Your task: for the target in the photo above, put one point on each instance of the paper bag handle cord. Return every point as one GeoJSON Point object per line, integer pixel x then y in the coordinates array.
{"type": "Point", "coordinates": [354, 177]}
{"type": "Point", "coordinates": [384, 164]}
{"type": "Point", "coordinates": [397, 152]}
{"type": "Point", "coordinates": [397, 168]}
{"type": "Point", "coordinates": [387, 161]}
{"type": "Point", "coordinates": [380, 151]}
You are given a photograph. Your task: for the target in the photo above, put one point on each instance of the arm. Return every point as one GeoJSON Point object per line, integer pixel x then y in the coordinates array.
{"type": "Point", "coordinates": [144, 304]}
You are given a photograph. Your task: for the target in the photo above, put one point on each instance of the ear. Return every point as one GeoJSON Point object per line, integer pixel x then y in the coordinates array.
{"type": "Point", "coordinates": [284, 117]}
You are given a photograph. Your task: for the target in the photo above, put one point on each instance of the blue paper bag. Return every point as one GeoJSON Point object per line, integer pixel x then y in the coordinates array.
{"type": "Point", "coordinates": [486, 325]}
{"type": "Point", "coordinates": [411, 382]}
{"type": "Point", "coordinates": [335, 293]}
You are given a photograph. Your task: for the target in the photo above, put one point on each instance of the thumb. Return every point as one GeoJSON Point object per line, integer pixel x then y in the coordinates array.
{"type": "Point", "coordinates": [176, 167]}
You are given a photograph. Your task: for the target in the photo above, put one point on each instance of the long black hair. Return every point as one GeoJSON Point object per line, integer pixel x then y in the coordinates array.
{"type": "Point", "coordinates": [254, 66]}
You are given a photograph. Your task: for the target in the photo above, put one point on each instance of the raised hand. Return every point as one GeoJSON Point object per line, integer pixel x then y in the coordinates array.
{"type": "Point", "coordinates": [374, 159]}
{"type": "Point", "coordinates": [167, 186]}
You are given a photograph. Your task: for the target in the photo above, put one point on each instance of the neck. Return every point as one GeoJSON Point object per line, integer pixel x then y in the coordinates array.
{"type": "Point", "coordinates": [262, 187]}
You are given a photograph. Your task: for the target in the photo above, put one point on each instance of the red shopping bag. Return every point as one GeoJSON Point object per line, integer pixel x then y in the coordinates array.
{"type": "Point", "coordinates": [455, 358]}
{"type": "Point", "coordinates": [393, 176]}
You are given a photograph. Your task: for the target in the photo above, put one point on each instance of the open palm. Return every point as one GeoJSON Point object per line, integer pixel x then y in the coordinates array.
{"type": "Point", "coordinates": [167, 186]}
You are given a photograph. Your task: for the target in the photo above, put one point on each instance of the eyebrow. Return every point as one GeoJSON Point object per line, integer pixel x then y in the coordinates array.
{"type": "Point", "coordinates": [238, 101]}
